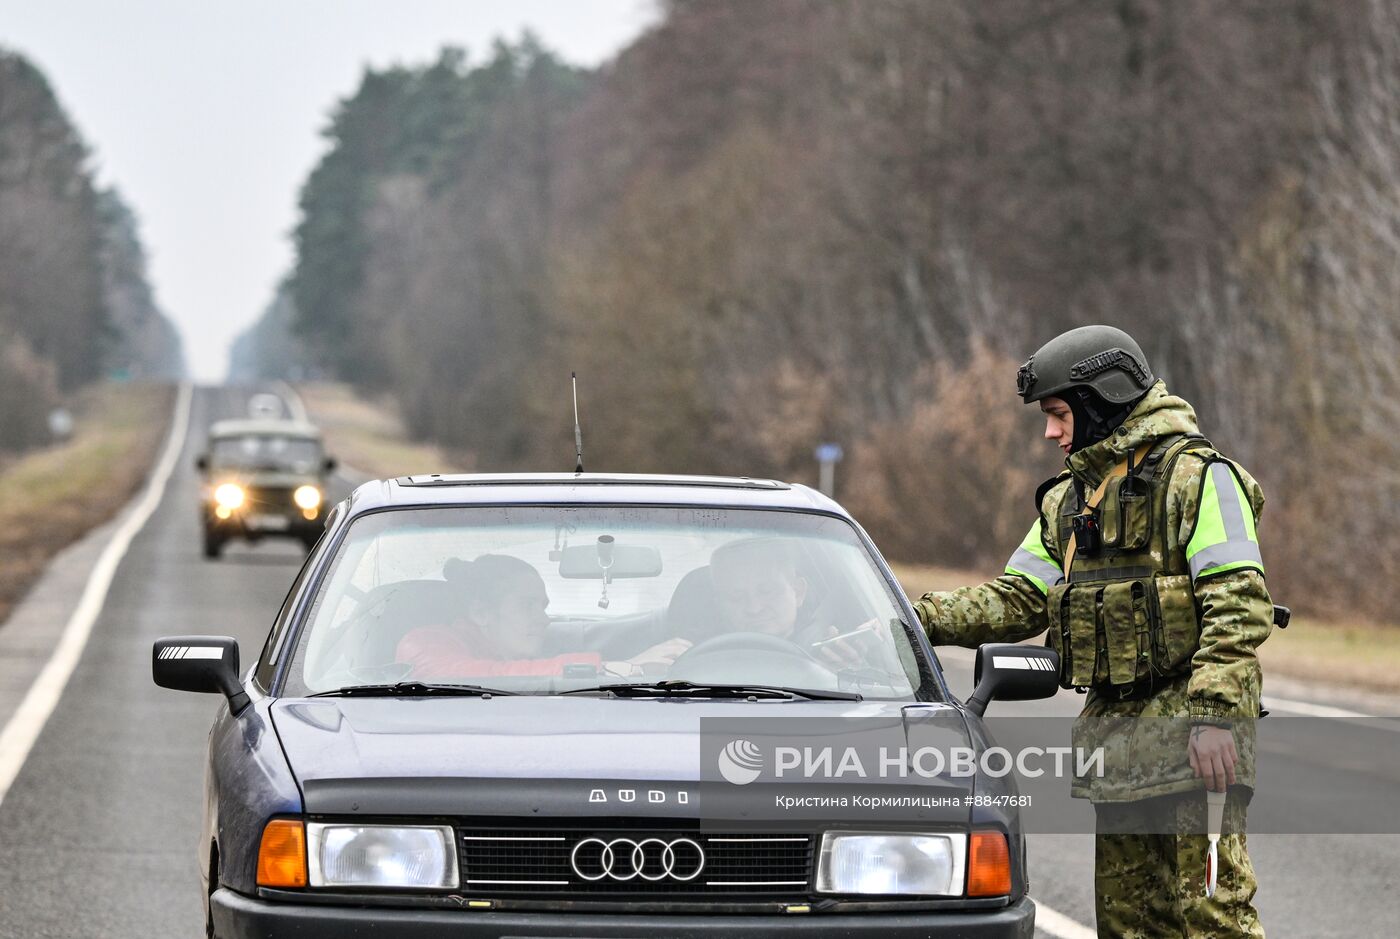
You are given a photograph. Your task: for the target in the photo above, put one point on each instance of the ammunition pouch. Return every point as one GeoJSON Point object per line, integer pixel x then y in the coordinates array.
{"type": "Point", "coordinates": [1126, 522]}
{"type": "Point", "coordinates": [1124, 635]}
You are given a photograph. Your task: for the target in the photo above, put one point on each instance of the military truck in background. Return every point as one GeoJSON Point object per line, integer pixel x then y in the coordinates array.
{"type": "Point", "coordinates": [262, 478]}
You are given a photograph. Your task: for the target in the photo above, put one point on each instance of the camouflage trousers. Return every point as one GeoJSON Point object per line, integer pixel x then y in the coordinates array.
{"type": "Point", "coordinates": [1150, 871]}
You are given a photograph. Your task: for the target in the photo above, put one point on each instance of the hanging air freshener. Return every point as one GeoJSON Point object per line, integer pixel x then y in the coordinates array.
{"type": "Point", "coordinates": [605, 562]}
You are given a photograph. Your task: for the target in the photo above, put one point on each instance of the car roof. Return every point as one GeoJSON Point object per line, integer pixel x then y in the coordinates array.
{"type": "Point", "coordinates": [588, 488]}
{"type": "Point", "coordinates": [248, 426]}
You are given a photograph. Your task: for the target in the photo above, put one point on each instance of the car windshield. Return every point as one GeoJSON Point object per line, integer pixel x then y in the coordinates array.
{"type": "Point", "coordinates": [271, 451]}
{"type": "Point", "coordinates": [551, 599]}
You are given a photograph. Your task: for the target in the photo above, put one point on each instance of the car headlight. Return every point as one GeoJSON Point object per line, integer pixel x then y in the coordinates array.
{"type": "Point", "coordinates": [229, 495]}
{"type": "Point", "coordinates": [307, 497]}
{"type": "Point", "coordinates": [888, 864]}
{"type": "Point", "coordinates": [405, 857]}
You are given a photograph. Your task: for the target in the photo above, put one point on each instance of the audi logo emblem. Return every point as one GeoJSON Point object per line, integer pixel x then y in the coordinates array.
{"type": "Point", "coordinates": [651, 859]}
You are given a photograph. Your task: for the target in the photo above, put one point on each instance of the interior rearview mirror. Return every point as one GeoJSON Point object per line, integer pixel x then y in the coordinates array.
{"type": "Point", "coordinates": [588, 561]}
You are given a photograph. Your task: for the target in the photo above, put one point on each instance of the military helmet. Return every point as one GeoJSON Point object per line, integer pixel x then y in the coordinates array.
{"type": "Point", "coordinates": [1106, 360]}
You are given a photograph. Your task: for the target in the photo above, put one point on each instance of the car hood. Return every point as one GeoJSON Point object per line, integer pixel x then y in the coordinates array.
{"type": "Point", "coordinates": [523, 755]}
{"type": "Point", "coordinates": [267, 478]}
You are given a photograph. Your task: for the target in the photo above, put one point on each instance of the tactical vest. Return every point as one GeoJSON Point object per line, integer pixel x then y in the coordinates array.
{"type": "Point", "coordinates": [1126, 623]}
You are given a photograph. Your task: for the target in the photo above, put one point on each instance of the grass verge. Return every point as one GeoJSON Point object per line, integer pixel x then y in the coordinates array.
{"type": "Point", "coordinates": [367, 436]}
{"type": "Point", "coordinates": [51, 497]}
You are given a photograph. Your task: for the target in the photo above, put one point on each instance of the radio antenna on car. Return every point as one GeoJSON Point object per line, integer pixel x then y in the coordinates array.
{"type": "Point", "coordinates": [578, 431]}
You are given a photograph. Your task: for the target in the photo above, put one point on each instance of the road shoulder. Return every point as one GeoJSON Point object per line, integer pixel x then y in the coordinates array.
{"type": "Point", "coordinates": [35, 624]}
{"type": "Point", "coordinates": [51, 497]}
{"type": "Point", "coordinates": [368, 438]}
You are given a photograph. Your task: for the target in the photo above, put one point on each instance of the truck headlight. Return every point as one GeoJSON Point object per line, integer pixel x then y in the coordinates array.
{"type": "Point", "coordinates": [307, 497]}
{"type": "Point", "coordinates": [410, 857]}
{"type": "Point", "coordinates": [881, 863]}
{"type": "Point", "coordinates": [229, 495]}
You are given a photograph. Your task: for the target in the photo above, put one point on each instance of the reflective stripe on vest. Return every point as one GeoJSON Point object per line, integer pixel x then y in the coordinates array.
{"type": "Point", "coordinates": [1033, 562]}
{"type": "Point", "coordinates": [1224, 539]}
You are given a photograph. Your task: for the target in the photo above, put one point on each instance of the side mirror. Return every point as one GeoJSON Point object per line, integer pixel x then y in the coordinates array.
{"type": "Point", "coordinates": [201, 463]}
{"type": "Point", "coordinates": [330, 464]}
{"type": "Point", "coordinates": [1013, 672]}
{"type": "Point", "coordinates": [199, 663]}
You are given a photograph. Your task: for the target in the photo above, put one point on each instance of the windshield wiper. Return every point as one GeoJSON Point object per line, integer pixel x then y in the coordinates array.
{"type": "Point", "coordinates": [679, 688]}
{"type": "Point", "coordinates": [410, 689]}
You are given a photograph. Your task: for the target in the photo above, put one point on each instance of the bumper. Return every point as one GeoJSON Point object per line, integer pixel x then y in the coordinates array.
{"type": "Point", "coordinates": [295, 526]}
{"type": "Point", "coordinates": [239, 917]}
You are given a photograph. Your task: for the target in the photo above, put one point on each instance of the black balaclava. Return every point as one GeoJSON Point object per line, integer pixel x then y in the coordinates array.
{"type": "Point", "coordinates": [1094, 418]}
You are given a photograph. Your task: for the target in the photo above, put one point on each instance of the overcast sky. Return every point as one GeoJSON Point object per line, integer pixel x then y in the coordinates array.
{"type": "Point", "coordinates": [207, 115]}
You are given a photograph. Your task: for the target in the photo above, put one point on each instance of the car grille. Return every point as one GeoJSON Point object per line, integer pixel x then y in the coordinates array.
{"type": "Point", "coordinates": [270, 497]}
{"type": "Point", "coordinates": [632, 862]}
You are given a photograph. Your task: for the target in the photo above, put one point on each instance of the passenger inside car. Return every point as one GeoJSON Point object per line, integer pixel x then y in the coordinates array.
{"type": "Point", "coordinates": [502, 629]}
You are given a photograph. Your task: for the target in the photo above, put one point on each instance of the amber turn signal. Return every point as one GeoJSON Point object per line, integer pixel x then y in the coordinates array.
{"type": "Point", "coordinates": [989, 865]}
{"type": "Point", "coordinates": [282, 854]}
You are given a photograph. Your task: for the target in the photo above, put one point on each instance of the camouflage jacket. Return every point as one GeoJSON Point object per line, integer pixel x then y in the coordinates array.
{"type": "Point", "coordinates": [1145, 740]}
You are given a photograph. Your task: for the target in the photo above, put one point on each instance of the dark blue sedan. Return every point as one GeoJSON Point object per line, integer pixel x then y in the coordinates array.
{"type": "Point", "coordinates": [599, 706]}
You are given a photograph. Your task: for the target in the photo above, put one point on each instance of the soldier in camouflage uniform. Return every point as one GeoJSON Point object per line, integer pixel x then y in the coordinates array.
{"type": "Point", "coordinates": [1144, 566]}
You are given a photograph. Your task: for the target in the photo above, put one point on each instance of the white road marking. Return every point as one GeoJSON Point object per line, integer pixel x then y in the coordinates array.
{"type": "Point", "coordinates": [19, 735]}
{"type": "Point", "coordinates": [1307, 709]}
{"type": "Point", "coordinates": [1054, 923]}
{"type": "Point", "coordinates": [953, 655]}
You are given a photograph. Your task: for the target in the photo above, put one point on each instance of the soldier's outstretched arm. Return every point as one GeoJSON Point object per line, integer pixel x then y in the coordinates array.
{"type": "Point", "coordinates": [1236, 612]}
{"type": "Point", "coordinates": [1007, 609]}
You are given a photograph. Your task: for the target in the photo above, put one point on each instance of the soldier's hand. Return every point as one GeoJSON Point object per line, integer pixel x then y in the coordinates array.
{"type": "Point", "coordinates": [1211, 751]}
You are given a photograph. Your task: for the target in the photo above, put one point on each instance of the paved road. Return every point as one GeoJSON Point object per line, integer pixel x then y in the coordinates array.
{"type": "Point", "coordinates": [1316, 767]}
{"type": "Point", "coordinates": [97, 832]}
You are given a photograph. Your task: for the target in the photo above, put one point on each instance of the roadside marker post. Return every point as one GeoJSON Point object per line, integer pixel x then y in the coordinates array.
{"type": "Point", "coordinates": [828, 455]}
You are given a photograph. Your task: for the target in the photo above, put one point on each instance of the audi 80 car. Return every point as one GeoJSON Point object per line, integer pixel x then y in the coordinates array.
{"type": "Point", "coordinates": [262, 478]}
{"type": "Point", "coordinates": [541, 706]}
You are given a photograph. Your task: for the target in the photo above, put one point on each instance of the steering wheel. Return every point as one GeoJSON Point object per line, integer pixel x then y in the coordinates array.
{"type": "Point", "coordinates": [751, 658]}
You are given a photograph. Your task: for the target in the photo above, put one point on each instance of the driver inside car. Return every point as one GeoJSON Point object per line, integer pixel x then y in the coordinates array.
{"type": "Point", "coordinates": [502, 629]}
{"type": "Point", "coordinates": [760, 589]}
